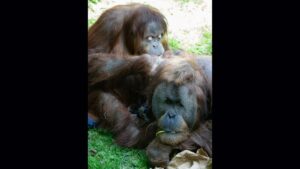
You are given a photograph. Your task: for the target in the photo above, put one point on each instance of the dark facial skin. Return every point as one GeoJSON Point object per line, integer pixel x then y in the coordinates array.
{"type": "Point", "coordinates": [175, 108]}
{"type": "Point", "coordinates": [152, 39]}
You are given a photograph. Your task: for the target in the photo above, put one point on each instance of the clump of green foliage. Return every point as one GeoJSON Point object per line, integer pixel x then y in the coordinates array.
{"type": "Point", "coordinates": [91, 22]}
{"type": "Point", "coordinates": [174, 44]}
{"type": "Point", "coordinates": [204, 46]}
{"type": "Point", "coordinates": [94, 1]}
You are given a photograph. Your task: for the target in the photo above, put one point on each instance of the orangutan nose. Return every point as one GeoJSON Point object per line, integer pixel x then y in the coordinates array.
{"type": "Point", "coordinates": [171, 114]}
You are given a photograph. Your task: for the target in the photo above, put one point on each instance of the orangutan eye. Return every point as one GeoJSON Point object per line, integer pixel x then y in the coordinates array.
{"type": "Point", "coordinates": [169, 101]}
{"type": "Point", "coordinates": [150, 38]}
{"type": "Point", "coordinates": [179, 103]}
{"type": "Point", "coordinates": [159, 36]}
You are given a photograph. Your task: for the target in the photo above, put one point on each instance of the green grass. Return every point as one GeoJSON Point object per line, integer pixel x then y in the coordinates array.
{"type": "Point", "coordinates": [103, 153]}
{"type": "Point", "coordinates": [174, 44]}
{"type": "Point", "coordinates": [204, 46]}
{"type": "Point", "coordinates": [94, 1]}
{"type": "Point", "coordinates": [91, 22]}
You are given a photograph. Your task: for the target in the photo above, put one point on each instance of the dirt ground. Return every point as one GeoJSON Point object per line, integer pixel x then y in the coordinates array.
{"type": "Point", "coordinates": [187, 19]}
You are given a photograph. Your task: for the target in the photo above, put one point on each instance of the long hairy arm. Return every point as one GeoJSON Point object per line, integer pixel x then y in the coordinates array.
{"type": "Point", "coordinates": [109, 67]}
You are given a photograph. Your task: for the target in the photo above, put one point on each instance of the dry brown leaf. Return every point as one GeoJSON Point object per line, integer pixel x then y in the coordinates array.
{"type": "Point", "coordinates": [190, 160]}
